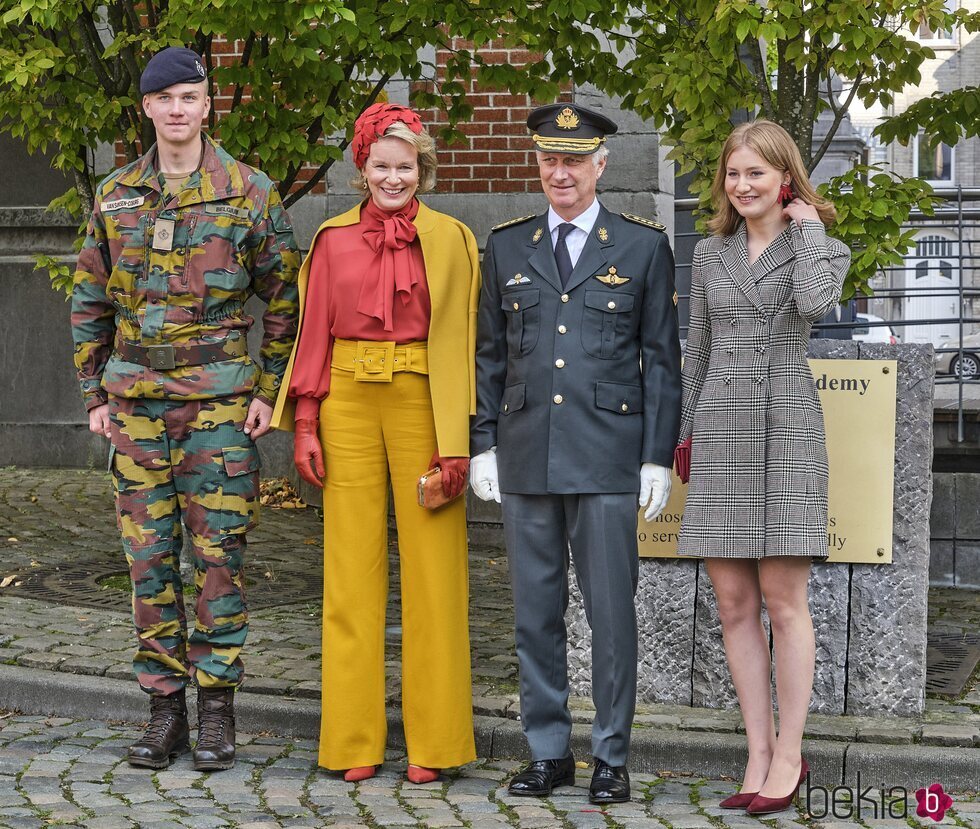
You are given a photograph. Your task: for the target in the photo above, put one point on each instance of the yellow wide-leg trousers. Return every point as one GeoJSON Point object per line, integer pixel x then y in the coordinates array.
{"type": "Point", "coordinates": [370, 431]}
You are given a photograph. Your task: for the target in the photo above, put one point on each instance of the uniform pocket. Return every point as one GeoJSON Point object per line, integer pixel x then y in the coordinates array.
{"type": "Point", "coordinates": [513, 399]}
{"type": "Point", "coordinates": [620, 398]}
{"type": "Point", "coordinates": [606, 322]}
{"type": "Point", "coordinates": [240, 498]}
{"type": "Point", "coordinates": [523, 320]}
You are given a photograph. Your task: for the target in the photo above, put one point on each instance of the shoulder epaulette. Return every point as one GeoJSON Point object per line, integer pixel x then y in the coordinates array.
{"type": "Point", "coordinates": [511, 222]}
{"type": "Point", "coordinates": [632, 217]}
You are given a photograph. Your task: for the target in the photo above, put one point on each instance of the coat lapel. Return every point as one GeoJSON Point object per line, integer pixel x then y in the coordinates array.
{"type": "Point", "coordinates": [542, 258]}
{"type": "Point", "coordinates": [778, 252]}
{"type": "Point", "coordinates": [593, 256]}
{"type": "Point", "coordinates": [735, 258]}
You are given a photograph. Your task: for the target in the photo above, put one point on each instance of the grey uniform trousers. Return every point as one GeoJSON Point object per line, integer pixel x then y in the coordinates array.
{"type": "Point", "coordinates": [600, 529]}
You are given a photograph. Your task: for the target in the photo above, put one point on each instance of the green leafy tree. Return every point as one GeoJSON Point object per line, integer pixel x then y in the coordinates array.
{"type": "Point", "coordinates": [69, 77]}
{"type": "Point", "coordinates": [692, 66]}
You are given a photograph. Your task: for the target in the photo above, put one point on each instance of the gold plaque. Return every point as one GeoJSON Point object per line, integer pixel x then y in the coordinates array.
{"type": "Point", "coordinates": [567, 119]}
{"type": "Point", "coordinates": [858, 401]}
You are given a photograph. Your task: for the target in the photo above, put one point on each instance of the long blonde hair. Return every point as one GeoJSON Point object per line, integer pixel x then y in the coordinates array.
{"type": "Point", "coordinates": [778, 150]}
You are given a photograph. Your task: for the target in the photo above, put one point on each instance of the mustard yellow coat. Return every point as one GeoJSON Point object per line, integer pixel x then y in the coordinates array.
{"type": "Point", "coordinates": [452, 271]}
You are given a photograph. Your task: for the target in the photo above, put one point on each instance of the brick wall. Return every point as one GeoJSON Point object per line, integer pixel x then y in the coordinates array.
{"type": "Point", "coordinates": [496, 156]}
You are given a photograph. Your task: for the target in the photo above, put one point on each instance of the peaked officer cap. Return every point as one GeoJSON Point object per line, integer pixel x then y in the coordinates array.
{"type": "Point", "coordinates": [174, 64]}
{"type": "Point", "coordinates": [568, 128]}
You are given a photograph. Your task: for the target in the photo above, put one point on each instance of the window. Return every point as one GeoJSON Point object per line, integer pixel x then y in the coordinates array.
{"type": "Point", "coordinates": [942, 37]}
{"type": "Point", "coordinates": [934, 164]}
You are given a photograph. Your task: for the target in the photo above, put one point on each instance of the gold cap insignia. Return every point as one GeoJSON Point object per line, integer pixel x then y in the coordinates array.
{"type": "Point", "coordinates": [567, 119]}
{"type": "Point", "coordinates": [603, 234]}
{"type": "Point", "coordinates": [537, 235]}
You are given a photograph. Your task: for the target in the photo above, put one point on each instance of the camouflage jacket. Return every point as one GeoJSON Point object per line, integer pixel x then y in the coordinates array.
{"type": "Point", "coordinates": [231, 238]}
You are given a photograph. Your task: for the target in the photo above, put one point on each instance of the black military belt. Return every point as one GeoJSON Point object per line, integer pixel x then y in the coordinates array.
{"type": "Point", "coordinates": [166, 357]}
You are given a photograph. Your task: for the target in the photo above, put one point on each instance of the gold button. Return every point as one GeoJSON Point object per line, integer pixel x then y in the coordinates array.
{"type": "Point", "coordinates": [564, 297]}
{"type": "Point", "coordinates": [516, 306]}
{"type": "Point", "coordinates": [506, 406]}
{"type": "Point", "coordinates": [559, 363]}
{"type": "Point", "coordinates": [558, 398]}
{"type": "Point", "coordinates": [625, 408]}
{"type": "Point", "coordinates": [611, 305]}
{"type": "Point", "coordinates": [562, 329]}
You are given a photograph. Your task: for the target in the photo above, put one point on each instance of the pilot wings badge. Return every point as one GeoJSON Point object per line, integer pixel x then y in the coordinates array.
{"type": "Point", "coordinates": [612, 279]}
{"type": "Point", "coordinates": [517, 279]}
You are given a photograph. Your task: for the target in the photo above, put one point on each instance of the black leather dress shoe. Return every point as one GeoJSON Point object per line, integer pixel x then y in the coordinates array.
{"type": "Point", "coordinates": [610, 784]}
{"type": "Point", "coordinates": [539, 777]}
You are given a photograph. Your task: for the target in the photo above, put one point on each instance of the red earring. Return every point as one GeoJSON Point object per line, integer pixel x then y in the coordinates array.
{"type": "Point", "coordinates": [786, 194]}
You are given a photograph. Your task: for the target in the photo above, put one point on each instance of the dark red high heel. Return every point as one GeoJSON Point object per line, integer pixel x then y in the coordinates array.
{"type": "Point", "coordinates": [770, 805]}
{"type": "Point", "coordinates": [738, 801]}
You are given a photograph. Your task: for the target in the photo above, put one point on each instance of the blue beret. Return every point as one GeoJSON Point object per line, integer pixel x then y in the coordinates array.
{"type": "Point", "coordinates": [173, 65]}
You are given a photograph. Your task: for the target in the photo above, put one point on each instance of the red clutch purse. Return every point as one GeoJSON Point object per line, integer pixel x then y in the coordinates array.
{"type": "Point", "coordinates": [431, 495]}
{"type": "Point", "coordinates": [682, 461]}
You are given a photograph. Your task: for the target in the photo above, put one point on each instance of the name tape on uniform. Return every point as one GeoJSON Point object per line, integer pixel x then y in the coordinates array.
{"type": "Point", "coordinates": [122, 204]}
{"type": "Point", "coordinates": [226, 210]}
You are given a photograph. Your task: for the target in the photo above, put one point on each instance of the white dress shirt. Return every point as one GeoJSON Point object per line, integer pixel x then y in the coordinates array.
{"type": "Point", "coordinates": [576, 239]}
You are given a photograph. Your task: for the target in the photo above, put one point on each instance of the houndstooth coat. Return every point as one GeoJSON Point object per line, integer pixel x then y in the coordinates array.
{"type": "Point", "coordinates": [758, 461]}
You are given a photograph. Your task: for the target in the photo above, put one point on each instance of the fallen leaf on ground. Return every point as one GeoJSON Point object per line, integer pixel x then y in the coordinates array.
{"type": "Point", "coordinates": [8, 580]}
{"type": "Point", "coordinates": [12, 539]}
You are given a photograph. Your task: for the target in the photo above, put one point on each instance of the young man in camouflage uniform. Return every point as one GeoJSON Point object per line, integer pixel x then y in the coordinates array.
{"type": "Point", "coordinates": [177, 242]}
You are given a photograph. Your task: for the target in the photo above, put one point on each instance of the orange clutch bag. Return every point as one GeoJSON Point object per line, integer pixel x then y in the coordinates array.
{"type": "Point", "coordinates": [431, 495]}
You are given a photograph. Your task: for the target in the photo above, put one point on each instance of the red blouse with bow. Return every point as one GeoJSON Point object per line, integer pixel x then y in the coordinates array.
{"type": "Point", "coordinates": [367, 282]}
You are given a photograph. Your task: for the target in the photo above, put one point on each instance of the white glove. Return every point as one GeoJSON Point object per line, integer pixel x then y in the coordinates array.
{"type": "Point", "coordinates": [483, 475]}
{"type": "Point", "coordinates": [654, 489]}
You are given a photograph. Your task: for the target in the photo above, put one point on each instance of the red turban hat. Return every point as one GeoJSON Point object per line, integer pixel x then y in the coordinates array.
{"type": "Point", "coordinates": [373, 122]}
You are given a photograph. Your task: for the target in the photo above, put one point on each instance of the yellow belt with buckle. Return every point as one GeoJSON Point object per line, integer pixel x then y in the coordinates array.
{"type": "Point", "coordinates": [375, 362]}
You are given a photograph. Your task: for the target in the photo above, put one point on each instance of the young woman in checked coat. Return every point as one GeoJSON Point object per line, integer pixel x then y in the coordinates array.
{"type": "Point", "coordinates": [757, 503]}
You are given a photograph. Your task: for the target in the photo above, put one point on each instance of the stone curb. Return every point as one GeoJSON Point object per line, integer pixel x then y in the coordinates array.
{"type": "Point", "coordinates": [705, 754]}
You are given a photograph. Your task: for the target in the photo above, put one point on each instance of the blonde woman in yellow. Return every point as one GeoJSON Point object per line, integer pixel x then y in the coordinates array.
{"type": "Point", "coordinates": [381, 386]}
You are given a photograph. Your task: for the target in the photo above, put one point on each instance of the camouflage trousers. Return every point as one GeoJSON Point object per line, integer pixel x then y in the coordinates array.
{"type": "Point", "coordinates": [185, 462]}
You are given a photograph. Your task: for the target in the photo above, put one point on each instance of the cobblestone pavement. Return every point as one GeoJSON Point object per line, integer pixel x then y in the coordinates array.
{"type": "Point", "coordinates": [58, 518]}
{"type": "Point", "coordinates": [61, 772]}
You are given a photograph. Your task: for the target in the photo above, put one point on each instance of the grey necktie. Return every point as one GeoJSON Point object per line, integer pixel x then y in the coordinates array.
{"type": "Point", "coordinates": [562, 257]}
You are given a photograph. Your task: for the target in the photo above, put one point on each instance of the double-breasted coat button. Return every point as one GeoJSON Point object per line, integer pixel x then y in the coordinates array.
{"type": "Point", "coordinates": [564, 297]}
{"type": "Point", "coordinates": [761, 349]}
{"type": "Point", "coordinates": [558, 398]}
{"type": "Point", "coordinates": [731, 350]}
{"type": "Point", "coordinates": [517, 306]}
{"type": "Point", "coordinates": [726, 381]}
{"type": "Point", "coordinates": [559, 363]}
{"type": "Point", "coordinates": [734, 322]}
{"type": "Point", "coordinates": [625, 407]}
{"type": "Point", "coordinates": [562, 329]}
{"type": "Point", "coordinates": [611, 305]}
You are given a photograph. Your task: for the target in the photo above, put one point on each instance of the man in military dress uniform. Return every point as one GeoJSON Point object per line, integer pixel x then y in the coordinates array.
{"type": "Point", "coordinates": [177, 242]}
{"type": "Point", "coordinates": [578, 405]}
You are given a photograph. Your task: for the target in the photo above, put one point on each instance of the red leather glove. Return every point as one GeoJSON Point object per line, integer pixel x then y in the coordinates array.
{"type": "Point", "coordinates": [307, 452]}
{"type": "Point", "coordinates": [453, 473]}
{"type": "Point", "coordinates": [682, 461]}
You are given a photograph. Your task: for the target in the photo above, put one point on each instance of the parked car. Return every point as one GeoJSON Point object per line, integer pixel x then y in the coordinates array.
{"type": "Point", "coordinates": [967, 365]}
{"type": "Point", "coordinates": [872, 333]}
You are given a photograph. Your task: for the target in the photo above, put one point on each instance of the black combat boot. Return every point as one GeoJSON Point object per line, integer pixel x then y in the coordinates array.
{"type": "Point", "coordinates": [215, 747]}
{"type": "Point", "coordinates": [166, 736]}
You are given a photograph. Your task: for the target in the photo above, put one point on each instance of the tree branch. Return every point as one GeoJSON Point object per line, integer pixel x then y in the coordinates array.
{"type": "Point", "coordinates": [761, 75]}
{"type": "Point", "coordinates": [246, 58]}
{"type": "Point", "coordinates": [838, 117]}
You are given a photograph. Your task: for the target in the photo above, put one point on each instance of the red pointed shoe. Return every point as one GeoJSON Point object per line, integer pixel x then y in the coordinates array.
{"type": "Point", "coordinates": [359, 773]}
{"type": "Point", "coordinates": [770, 805]}
{"type": "Point", "coordinates": [738, 801]}
{"type": "Point", "coordinates": [421, 774]}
